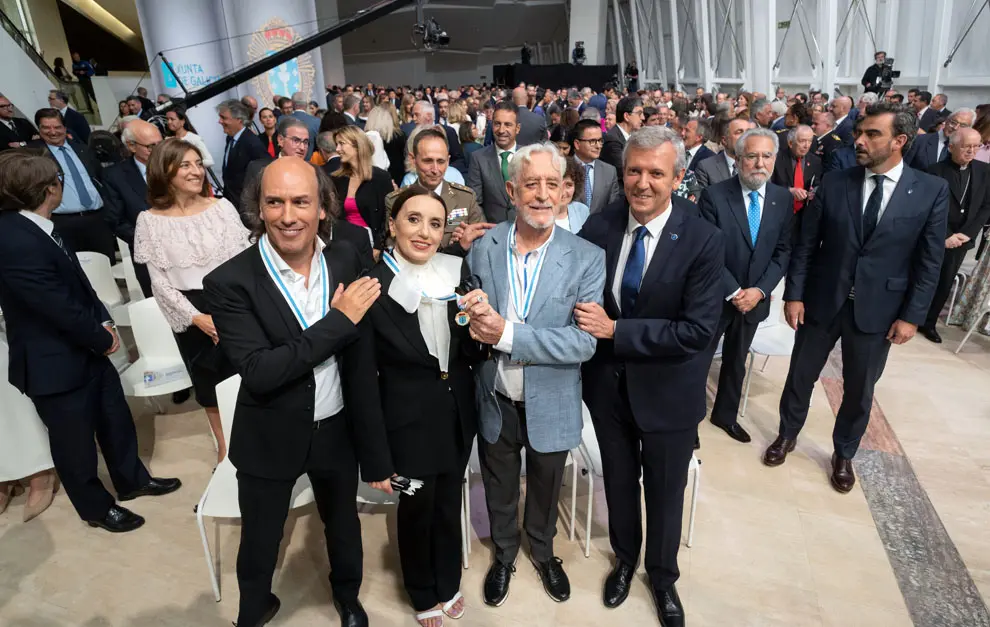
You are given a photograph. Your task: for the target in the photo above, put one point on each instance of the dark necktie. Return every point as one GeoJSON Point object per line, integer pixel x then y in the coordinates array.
{"type": "Point", "coordinates": [944, 152]}
{"type": "Point", "coordinates": [226, 150]}
{"type": "Point", "coordinates": [872, 214]}
{"type": "Point", "coordinates": [77, 180]}
{"type": "Point", "coordinates": [632, 276]}
{"type": "Point", "coordinates": [61, 243]}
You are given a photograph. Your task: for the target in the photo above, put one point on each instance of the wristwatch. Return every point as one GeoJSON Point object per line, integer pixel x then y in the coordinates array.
{"type": "Point", "coordinates": [110, 324]}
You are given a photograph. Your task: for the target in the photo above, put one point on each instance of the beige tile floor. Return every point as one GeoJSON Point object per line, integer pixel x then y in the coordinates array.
{"type": "Point", "coordinates": [772, 546]}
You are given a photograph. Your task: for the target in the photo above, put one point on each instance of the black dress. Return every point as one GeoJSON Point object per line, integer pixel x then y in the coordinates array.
{"type": "Point", "coordinates": [205, 361]}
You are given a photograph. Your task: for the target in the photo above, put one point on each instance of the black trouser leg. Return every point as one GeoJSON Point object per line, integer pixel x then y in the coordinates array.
{"type": "Point", "coordinates": [70, 418]}
{"type": "Point", "coordinates": [735, 349]}
{"type": "Point", "coordinates": [447, 534]}
{"type": "Point", "coordinates": [666, 456]}
{"type": "Point", "coordinates": [501, 463]}
{"type": "Point", "coordinates": [544, 475]}
{"type": "Point", "coordinates": [863, 358]}
{"type": "Point", "coordinates": [950, 266]}
{"type": "Point", "coordinates": [619, 443]}
{"type": "Point", "coordinates": [333, 471]}
{"type": "Point", "coordinates": [116, 433]}
{"type": "Point", "coordinates": [812, 344]}
{"type": "Point", "coordinates": [264, 506]}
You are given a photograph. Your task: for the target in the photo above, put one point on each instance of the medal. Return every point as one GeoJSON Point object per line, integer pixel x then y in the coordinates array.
{"type": "Point", "coordinates": [462, 318]}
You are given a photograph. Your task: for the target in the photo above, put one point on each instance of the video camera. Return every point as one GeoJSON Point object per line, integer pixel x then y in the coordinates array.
{"type": "Point", "coordinates": [888, 74]}
{"type": "Point", "coordinates": [429, 35]}
{"type": "Point", "coordinates": [578, 57]}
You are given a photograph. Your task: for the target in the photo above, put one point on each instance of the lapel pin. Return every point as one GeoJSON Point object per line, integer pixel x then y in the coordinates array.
{"type": "Point", "coordinates": [673, 237]}
{"type": "Point", "coordinates": [910, 190]}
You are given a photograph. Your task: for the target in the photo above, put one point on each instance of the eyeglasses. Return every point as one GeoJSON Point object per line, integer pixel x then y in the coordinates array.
{"type": "Point", "coordinates": [753, 157]}
{"type": "Point", "coordinates": [968, 147]}
{"type": "Point", "coordinates": [61, 177]}
{"type": "Point", "coordinates": [6, 106]}
{"type": "Point", "coordinates": [148, 146]}
{"type": "Point", "coordinates": [296, 140]}
{"type": "Point", "coordinates": [593, 142]}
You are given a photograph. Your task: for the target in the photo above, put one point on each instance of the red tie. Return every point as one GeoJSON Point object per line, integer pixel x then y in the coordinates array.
{"type": "Point", "coordinates": [798, 183]}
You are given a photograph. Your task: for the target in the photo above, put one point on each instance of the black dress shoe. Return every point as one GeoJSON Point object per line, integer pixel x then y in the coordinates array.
{"type": "Point", "coordinates": [842, 478]}
{"type": "Point", "coordinates": [352, 613]}
{"type": "Point", "coordinates": [497, 583]}
{"type": "Point", "coordinates": [669, 608]}
{"type": "Point", "coordinates": [181, 396]}
{"type": "Point", "coordinates": [617, 584]}
{"type": "Point", "coordinates": [735, 431]}
{"type": "Point", "coordinates": [776, 453]}
{"type": "Point", "coordinates": [930, 334]}
{"type": "Point", "coordinates": [155, 487]}
{"type": "Point", "coordinates": [267, 616]}
{"type": "Point", "coordinates": [118, 520]}
{"type": "Point", "coordinates": [555, 581]}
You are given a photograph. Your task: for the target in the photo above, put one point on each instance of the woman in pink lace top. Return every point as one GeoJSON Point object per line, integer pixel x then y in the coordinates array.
{"type": "Point", "coordinates": [182, 238]}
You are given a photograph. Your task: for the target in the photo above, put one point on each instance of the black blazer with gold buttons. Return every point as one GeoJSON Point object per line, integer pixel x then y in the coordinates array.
{"type": "Point", "coordinates": [419, 401]}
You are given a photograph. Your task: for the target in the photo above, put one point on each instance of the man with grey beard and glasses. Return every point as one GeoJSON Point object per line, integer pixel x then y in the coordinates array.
{"type": "Point", "coordinates": [755, 218]}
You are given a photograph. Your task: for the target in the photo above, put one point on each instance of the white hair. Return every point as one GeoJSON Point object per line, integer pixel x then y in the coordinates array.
{"type": "Point", "coordinates": [425, 105]}
{"type": "Point", "coordinates": [127, 135]}
{"type": "Point", "coordinates": [653, 137]}
{"type": "Point", "coordinates": [869, 98]}
{"type": "Point", "coordinates": [779, 107]}
{"type": "Point", "coordinates": [957, 136]}
{"type": "Point", "coordinates": [525, 154]}
{"type": "Point", "coordinates": [756, 132]}
{"type": "Point", "coordinates": [793, 133]}
{"type": "Point", "coordinates": [965, 111]}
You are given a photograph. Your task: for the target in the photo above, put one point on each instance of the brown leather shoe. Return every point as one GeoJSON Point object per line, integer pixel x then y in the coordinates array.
{"type": "Point", "coordinates": [776, 453]}
{"type": "Point", "coordinates": [842, 478]}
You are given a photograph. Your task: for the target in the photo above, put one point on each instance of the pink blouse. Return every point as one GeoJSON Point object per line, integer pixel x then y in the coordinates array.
{"type": "Point", "coordinates": [352, 214]}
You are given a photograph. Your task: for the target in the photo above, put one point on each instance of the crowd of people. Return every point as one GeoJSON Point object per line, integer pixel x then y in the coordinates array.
{"type": "Point", "coordinates": [412, 270]}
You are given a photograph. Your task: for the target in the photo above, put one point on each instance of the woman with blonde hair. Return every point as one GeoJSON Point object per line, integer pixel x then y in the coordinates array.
{"type": "Point", "coordinates": [395, 147]}
{"type": "Point", "coordinates": [379, 128]}
{"type": "Point", "coordinates": [184, 236]}
{"type": "Point", "coordinates": [360, 186]}
{"type": "Point", "coordinates": [457, 115]}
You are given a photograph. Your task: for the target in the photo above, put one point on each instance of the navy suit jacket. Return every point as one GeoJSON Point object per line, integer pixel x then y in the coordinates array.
{"type": "Point", "coordinates": [840, 159]}
{"type": "Point", "coordinates": [761, 266]}
{"type": "Point", "coordinates": [126, 194]}
{"type": "Point", "coordinates": [703, 153]}
{"type": "Point", "coordinates": [894, 272]}
{"type": "Point", "coordinates": [54, 318]}
{"type": "Point", "coordinates": [923, 152]}
{"type": "Point", "coordinates": [660, 345]}
{"type": "Point", "coordinates": [845, 131]}
{"type": "Point", "coordinates": [77, 125]}
{"type": "Point", "coordinates": [248, 148]}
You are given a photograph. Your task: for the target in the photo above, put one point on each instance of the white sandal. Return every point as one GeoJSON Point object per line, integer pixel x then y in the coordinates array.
{"type": "Point", "coordinates": [450, 604]}
{"type": "Point", "coordinates": [430, 614]}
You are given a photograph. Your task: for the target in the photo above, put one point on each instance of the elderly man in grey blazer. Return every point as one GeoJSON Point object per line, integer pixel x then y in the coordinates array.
{"type": "Point", "coordinates": [722, 166]}
{"type": "Point", "coordinates": [529, 394]}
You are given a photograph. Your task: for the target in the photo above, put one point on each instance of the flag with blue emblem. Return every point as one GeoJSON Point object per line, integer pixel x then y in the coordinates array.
{"type": "Point", "coordinates": [285, 79]}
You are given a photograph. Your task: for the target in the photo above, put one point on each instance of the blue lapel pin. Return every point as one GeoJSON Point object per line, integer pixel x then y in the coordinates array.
{"type": "Point", "coordinates": [673, 237]}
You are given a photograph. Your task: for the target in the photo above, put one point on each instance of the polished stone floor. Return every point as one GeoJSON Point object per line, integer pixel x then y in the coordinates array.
{"type": "Point", "coordinates": [909, 545]}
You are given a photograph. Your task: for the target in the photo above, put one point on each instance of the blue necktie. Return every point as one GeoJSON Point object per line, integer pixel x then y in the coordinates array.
{"type": "Point", "coordinates": [587, 184]}
{"type": "Point", "coordinates": [754, 215]}
{"type": "Point", "coordinates": [77, 180]}
{"type": "Point", "coordinates": [226, 150]}
{"type": "Point", "coordinates": [632, 276]}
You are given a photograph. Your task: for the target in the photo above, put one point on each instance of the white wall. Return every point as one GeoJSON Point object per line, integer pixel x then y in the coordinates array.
{"type": "Point", "coordinates": [48, 28]}
{"type": "Point", "coordinates": [415, 68]}
{"type": "Point", "coordinates": [23, 83]}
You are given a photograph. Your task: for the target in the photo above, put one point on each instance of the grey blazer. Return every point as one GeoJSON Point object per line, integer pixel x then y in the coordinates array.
{"type": "Point", "coordinates": [606, 189]}
{"type": "Point", "coordinates": [712, 170]}
{"type": "Point", "coordinates": [550, 345]}
{"type": "Point", "coordinates": [532, 127]}
{"type": "Point", "coordinates": [485, 178]}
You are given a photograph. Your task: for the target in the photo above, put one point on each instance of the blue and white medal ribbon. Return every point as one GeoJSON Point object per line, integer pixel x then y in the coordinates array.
{"type": "Point", "coordinates": [277, 279]}
{"type": "Point", "coordinates": [529, 281]}
{"type": "Point", "coordinates": [408, 293]}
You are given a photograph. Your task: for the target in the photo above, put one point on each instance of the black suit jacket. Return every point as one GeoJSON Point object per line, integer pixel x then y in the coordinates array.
{"type": "Point", "coordinates": [612, 148]}
{"type": "Point", "coordinates": [241, 154]}
{"type": "Point", "coordinates": [894, 272]}
{"type": "Point", "coordinates": [356, 236]}
{"type": "Point", "coordinates": [764, 265]}
{"type": "Point", "coordinates": [273, 420]}
{"type": "Point", "coordinates": [23, 132]}
{"type": "Point", "coordinates": [703, 153]}
{"type": "Point", "coordinates": [415, 395]}
{"type": "Point", "coordinates": [370, 198]}
{"type": "Point", "coordinates": [532, 127]}
{"type": "Point", "coordinates": [126, 193]}
{"type": "Point", "coordinates": [783, 171]}
{"type": "Point", "coordinates": [845, 131]}
{"type": "Point", "coordinates": [977, 214]}
{"type": "Point", "coordinates": [924, 151]}
{"type": "Point", "coordinates": [932, 118]}
{"type": "Point", "coordinates": [660, 345]}
{"type": "Point", "coordinates": [254, 170]}
{"type": "Point", "coordinates": [53, 316]}
{"type": "Point", "coordinates": [77, 125]}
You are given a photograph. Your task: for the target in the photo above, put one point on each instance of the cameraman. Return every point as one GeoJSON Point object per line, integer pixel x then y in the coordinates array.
{"type": "Point", "coordinates": [873, 78]}
{"type": "Point", "coordinates": [578, 56]}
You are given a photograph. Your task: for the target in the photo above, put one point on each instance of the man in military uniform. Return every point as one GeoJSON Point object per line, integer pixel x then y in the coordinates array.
{"type": "Point", "coordinates": [431, 157]}
{"type": "Point", "coordinates": [826, 140]}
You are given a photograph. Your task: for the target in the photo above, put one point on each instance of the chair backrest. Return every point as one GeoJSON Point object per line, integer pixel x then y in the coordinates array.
{"type": "Point", "coordinates": [227, 400]}
{"type": "Point", "coordinates": [776, 307]}
{"type": "Point", "coordinates": [153, 336]}
{"type": "Point", "coordinates": [125, 250]}
{"type": "Point", "coordinates": [97, 269]}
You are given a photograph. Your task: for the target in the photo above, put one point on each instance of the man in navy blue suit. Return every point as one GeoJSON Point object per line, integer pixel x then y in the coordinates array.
{"type": "Point", "coordinates": [645, 386]}
{"type": "Point", "coordinates": [864, 270]}
{"type": "Point", "coordinates": [755, 218]}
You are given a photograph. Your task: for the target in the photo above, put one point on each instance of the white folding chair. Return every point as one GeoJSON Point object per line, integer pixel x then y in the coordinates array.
{"type": "Point", "coordinates": [126, 265]}
{"type": "Point", "coordinates": [97, 269]}
{"type": "Point", "coordinates": [592, 457]}
{"type": "Point", "coordinates": [983, 313]}
{"type": "Point", "coordinates": [219, 500]}
{"type": "Point", "coordinates": [159, 369]}
{"type": "Point", "coordinates": [773, 339]}
{"type": "Point", "coordinates": [958, 282]}
{"type": "Point", "coordinates": [118, 268]}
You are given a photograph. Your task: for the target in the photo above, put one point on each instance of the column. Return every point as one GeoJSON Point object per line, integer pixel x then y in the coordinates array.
{"type": "Point", "coordinates": [704, 24]}
{"type": "Point", "coordinates": [940, 50]}
{"type": "Point", "coordinates": [828, 28]}
{"type": "Point", "coordinates": [762, 28]}
{"type": "Point", "coordinates": [195, 63]}
{"type": "Point", "coordinates": [588, 25]}
{"type": "Point", "coordinates": [331, 53]}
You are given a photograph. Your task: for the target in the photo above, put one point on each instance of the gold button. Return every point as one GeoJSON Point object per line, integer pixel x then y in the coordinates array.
{"type": "Point", "coordinates": [443, 376]}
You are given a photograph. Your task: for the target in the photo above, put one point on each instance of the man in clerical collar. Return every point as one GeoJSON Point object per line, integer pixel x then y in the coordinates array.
{"type": "Point", "coordinates": [287, 309]}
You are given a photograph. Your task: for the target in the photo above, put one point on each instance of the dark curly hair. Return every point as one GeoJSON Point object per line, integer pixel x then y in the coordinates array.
{"type": "Point", "coordinates": [905, 120]}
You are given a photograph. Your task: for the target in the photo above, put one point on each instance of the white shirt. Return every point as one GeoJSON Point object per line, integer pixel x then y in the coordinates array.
{"type": "Point", "coordinates": [691, 152]}
{"type": "Point", "coordinates": [922, 112]}
{"type": "Point", "coordinates": [499, 151]}
{"type": "Point", "coordinates": [422, 287]}
{"type": "Point", "coordinates": [839, 121]}
{"type": "Point", "coordinates": [760, 200]}
{"type": "Point", "coordinates": [329, 398]}
{"type": "Point", "coordinates": [730, 163]}
{"type": "Point", "coordinates": [654, 229]}
{"type": "Point", "coordinates": [869, 184]}
{"type": "Point", "coordinates": [942, 148]}
{"type": "Point", "coordinates": [509, 378]}
{"type": "Point", "coordinates": [43, 223]}
{"type": "Point", "coordinates": [625, 135]}
{"type": "Point", "coordinates": [10, 124]}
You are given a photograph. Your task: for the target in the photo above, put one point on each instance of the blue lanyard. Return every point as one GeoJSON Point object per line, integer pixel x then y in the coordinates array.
{"type": "Point", "coordinates": [263, 246]}
{"type": "Point", "coordinates": [529, 282]}
{"type": "Point", "coordinates": [393, 265]}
